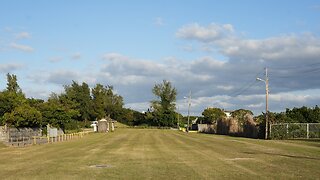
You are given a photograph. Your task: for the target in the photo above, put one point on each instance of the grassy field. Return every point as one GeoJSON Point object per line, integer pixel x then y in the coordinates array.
{"type": "Point", "coordinates": [162, 154]}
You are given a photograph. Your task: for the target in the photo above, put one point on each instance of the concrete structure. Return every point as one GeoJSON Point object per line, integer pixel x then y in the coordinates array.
{"type": "Point", "coordinates": [53, 131]}
{"type": "Point", "coordinates": [103, 126]}
{"type": "Point", "coordinates": [95, 126]}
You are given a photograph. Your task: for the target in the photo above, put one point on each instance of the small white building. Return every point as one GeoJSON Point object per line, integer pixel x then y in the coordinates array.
{"type": "Point", "coordinates": [228, 113]}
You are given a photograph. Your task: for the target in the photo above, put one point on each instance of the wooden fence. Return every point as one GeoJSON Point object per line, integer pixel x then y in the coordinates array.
{"type": "Point", "coordinates": [25, 141]}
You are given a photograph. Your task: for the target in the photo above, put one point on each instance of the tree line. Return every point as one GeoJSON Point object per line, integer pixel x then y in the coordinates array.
{"type": "Point", "coordinates": [79, 104]}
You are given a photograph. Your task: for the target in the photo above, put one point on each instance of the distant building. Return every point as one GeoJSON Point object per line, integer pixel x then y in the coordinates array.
{"type": "Point", "coordinates": [228, 113]}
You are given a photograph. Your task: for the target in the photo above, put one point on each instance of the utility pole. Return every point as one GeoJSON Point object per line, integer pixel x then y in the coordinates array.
{"type": "Point", "coordinates": [267, 97]}
{"type": "Point", "coordinates": [189, 104]}
{"type": "Point", "coordinates": [266, 81]}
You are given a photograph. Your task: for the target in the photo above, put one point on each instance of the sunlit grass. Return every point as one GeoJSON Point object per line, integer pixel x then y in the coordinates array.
{"type": "Point", "coordinates": [162, 154]}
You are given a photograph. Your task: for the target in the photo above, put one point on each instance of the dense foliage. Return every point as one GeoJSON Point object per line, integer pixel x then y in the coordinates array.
{"type": "Point", "coordinates": [72, 109]}
{"type": "Point", "coordinates": [295, 115]}
{"type": "Point", "coordinates": [212, 115]}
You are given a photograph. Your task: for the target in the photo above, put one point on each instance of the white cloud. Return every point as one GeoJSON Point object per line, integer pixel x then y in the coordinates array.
{"type": "Point", "coordinates": [228, 87]}
{"type": "Point", "coordinates": [23, 35]}
{"type": "Point", "coordinates": [62, 77]}
{"type": "Point", "coordinates": [158, 21]}
{"type": "Point", "coordinates": [293, 61]}
{"type": "Point", "coordinates": [55, 59]}
{"type": "Point", "coordinates": [222, 84]}
{"type": "Point", "coordinates": [204, 34]}
{"type": "Point", "coordinates": [259, 105]}
{"type": "Point", "coordinates": [276, 50]}
{"type": "Point", "coordinates": [76, 56]}
{"type": "Point", "coordinates": [21, 47]}
{"type": "Point", "coordinates": [139, 106]}
{"type": "Point", "coordinates": [6, 68]}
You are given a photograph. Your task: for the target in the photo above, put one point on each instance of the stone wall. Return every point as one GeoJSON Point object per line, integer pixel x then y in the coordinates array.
{"type": "Point", "coordinates": [3, 133]}
{"type": "Point", "coordinates": [24, 132]}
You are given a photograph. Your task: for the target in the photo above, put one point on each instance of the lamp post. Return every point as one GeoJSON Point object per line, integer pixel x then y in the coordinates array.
{"type": "Point", "coordinates": [266, 81]}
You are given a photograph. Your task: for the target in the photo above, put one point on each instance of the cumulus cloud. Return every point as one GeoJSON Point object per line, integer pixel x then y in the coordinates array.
{"type": "Point", "coordinates": [21, 47]}
{"type": "Point", "coordinates": [214, 83]}
{"type": "Point", "coordinates": [225, 84]}
{"type": "Point", "coordinates": [279, 50]}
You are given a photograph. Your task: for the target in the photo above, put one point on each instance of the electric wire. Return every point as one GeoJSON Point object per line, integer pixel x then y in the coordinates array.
{"type": "Point", "coordinates": [244, 88]}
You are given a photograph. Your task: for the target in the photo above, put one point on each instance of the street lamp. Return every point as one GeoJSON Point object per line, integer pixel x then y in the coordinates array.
{"type": "Point", "coordinates": [189, 104]}
{"type": "Point", "coordinates": [266, 81]}
{"type": "Point", "coordinates": [178, 126]}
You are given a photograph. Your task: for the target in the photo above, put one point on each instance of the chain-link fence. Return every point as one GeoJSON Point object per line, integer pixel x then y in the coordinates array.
{"type": "Point", "coordinates": [295, 131]}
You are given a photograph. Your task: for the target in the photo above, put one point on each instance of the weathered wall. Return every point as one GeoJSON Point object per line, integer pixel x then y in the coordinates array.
{"type": "Point", "coordinates": [207, 128]}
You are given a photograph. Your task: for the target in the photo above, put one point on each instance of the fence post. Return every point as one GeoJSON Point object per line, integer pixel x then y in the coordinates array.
{"type": "Point", "coordinates": [270, 130]}
{"type": "Point", "coordinates": [307, 130]}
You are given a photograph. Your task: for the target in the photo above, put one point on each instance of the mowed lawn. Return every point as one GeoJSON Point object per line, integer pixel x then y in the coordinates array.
{"type": "Point", "coordinates": [162, 154]}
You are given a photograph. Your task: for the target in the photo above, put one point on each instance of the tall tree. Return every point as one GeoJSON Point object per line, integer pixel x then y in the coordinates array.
{"type": "Point", "coordinates": [80, 94]}
{"type": "Point", "coordinates": [106, 102]}
{"type": "Point", "coordinates": [12, 97]}
{"type": "Point", "coordinates": [164, 106]}
{"type": "Point", "coordinates": [99, 104]}
{"type": "Point", "coordinates": [12, 84]}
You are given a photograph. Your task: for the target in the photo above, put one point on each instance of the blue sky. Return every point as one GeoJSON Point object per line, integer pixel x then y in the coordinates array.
{"type": "Point", "coordinates": [213, 48]}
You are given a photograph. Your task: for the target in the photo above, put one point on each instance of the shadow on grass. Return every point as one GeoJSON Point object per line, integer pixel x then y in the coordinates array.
{"type": "Point", "coordinates": [283, 155]}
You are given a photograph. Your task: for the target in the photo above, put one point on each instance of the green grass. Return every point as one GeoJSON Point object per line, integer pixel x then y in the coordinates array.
{"type": "Point", "coordinates": [162, 154]}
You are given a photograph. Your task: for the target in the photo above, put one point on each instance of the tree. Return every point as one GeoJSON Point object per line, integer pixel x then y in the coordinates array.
{"type": "Point", "coordinates": [10, 98]}
{"type": "Point", "coordinates": [212, 115]}
{"type": "Point", "coordinates": [164, 106]}
{"type": "Point", "coordinates": [9, 101]}
{"type": "Point", "coordinates": [105, 102]}
{"type": "Point", "coordinates": [23, 116]}
{"type": "Point", "coordinates": [36, 103]}
{"type": "Point", "coordinates": [57, 114]}
{"type": "Point", "coordinates": [240, 115]}
{"type": "Point", "coordinates": [80, 94]}
{"type": "Point", "coordinates": [12, 84]}
{"type": "Point", "coordinates": [99, 93]}
{"type": "Point", "coordinates": [113, 102]}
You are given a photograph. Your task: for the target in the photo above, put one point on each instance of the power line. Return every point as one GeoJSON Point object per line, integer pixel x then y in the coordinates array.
{"type": "Point", "coordinates": [288, 74]}
{"type": "Point", "coordinates": [293, 67]}
{"type": "Point", "coordinates": [248, 85]}
{"type": "Point", "coordinates": [245, 89]}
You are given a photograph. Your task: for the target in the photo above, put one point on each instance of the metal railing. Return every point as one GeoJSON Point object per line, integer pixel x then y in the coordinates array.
{"type": "Point", "coordinates": [295, 131]}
